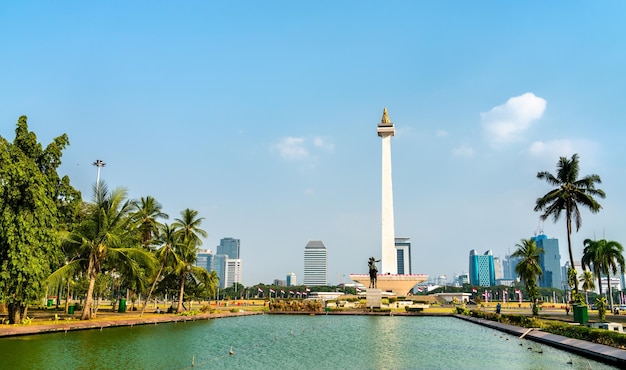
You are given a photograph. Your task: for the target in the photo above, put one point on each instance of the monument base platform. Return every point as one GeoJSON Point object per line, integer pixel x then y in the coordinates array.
{"type": "Point", "coordinates": [400, 285]}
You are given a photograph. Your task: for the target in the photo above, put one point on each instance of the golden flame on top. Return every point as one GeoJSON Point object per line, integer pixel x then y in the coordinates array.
{"type": "Point", "coordinates": [385, 119]}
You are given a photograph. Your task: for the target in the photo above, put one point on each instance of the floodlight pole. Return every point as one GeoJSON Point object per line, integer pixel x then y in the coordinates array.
{"type": "Point", "coordinates": [98, 163]}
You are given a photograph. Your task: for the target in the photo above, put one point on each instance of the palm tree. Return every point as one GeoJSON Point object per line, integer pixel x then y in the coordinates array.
{"type": "Point", "coordinates": [591, 259]}
{"type": "Point", "coordinates": [189, 228]}
{"type": "Point", "coordinates": [170, 239]}
{"type": "Point", "coordinates": [570, 192]}
{"type": "Point", "coordinates": [528, 267]}
{"type": "Point", "coordinates": [587, 278]}
{"type": "Point", "coordinates": [105, 239]}
{"type": "Point", "coordinates": [606, 257]}
{"type": "Point", "coordinates": [146, 213]}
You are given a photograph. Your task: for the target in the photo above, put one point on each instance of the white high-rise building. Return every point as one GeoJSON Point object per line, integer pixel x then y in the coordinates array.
{"type": "Point", "coordinates": [315, 263]}
{"type": "Point", "coordinates": [227, 269]}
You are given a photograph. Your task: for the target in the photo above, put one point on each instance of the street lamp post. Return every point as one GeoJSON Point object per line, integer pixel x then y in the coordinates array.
{"type": "Point", "coordinates": [98, 163]}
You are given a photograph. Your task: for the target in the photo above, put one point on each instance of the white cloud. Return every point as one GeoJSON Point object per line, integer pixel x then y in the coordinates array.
{"type": "Point", "coordinates": [441, 133]}
{"type": "Point", "coordinates": [301, 148]}
{"type": "Point", "coordinates": [322, 143]}
{"type": "Point", "coordinates": [463, 151]}
{"type": "Point", "coordinates": [292, 148]}
{"type": "Point", "coordinates": [552, 150]}
{"type": "Point", "coordinates": [507, 122]}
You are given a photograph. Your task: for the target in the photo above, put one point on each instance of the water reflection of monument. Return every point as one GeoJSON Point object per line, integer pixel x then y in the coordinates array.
{"type": "Point", "coordinates": [389, 280]}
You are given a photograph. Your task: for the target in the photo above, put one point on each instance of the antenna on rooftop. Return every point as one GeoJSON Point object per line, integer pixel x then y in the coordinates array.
{"type": "Point", "coordinates": [539, 229]}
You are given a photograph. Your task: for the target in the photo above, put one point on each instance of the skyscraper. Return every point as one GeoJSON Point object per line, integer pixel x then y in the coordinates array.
{"type": "Point", "coordinates": [508, 265]}
{"type": "Point", "coordinates": [291, 279]}
{"type": "Point", "coordinates": [549, 261]}
{"type": "Point", "coordinates": [204, 259]}
{"type": "Point", "coordinates": [315, 263]}
{"type": "Point", "coordinates": [497, 264]}
{"type": "Point", "coordinates": [227, 269]}
{"type": "Point", "coordinates": [481, 269]}
{"type": "Point", "coordinates": [229, 247]}
{"type": "Point", "coordinates": [403, 255]}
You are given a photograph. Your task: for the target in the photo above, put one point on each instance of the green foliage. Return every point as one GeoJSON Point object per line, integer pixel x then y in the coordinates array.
{"type": "Point", "coordinates": [572, 277]}
{"type": "Point", "coordinates": [461, 310]}
{"type": "Point", "coordinates": [528, 268]}
{"type": "Point", "coordinates": [33, 199]}
{"type": "Point", "coordinates": [207, 309]}
{"type": "Point", "coordinates": [569, 194]}
{"type": "Point", "coordinates": [295, 305]}
{"type": "Point", "coordinates": [579, 299]}
{"type": "Point", "coordinates": [600, 336]}
{"type": "Point", "coordinates": [601, 307]}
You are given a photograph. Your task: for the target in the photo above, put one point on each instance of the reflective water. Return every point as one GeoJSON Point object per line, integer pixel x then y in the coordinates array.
{"type": "Point", "coordinates": [289, 342]}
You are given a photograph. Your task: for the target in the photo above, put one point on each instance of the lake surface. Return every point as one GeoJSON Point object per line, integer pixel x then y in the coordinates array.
{"type": "Point", "coordinates": [289, 342]}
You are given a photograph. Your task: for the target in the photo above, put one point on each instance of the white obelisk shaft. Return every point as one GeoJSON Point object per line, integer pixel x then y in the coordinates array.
{"type": "Point", "coordinates": [389, 259]}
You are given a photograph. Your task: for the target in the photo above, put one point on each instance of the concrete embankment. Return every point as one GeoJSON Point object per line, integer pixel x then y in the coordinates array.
{"type": "Point", "coordinates": [600, 352]}
{"type": "Point", "coordinates": [113, 321]}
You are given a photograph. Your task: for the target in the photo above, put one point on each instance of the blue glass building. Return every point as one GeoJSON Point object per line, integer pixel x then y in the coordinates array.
{"type": "Point", "coordinates": [549, 261]}
{"type": "Point", "coordinates": [482, 271]}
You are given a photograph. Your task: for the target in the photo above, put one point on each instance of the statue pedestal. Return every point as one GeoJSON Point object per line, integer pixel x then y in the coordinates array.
{"type": "Point", "coordinates": [400, 285]}
{"type": "Point", "coordinates": [373, 298]}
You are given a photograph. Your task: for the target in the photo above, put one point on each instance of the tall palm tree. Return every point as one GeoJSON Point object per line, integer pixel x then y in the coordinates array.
{"type": "Point", "coordinates": [189, 228]}
{"type": "Point", "coordinates": [528, 267]}
{"type": "Point", "coordinates": [166, 255]}
{"type": "Point", "coordinates": [106, 238]}
{"type": "Point", "coordinates": [570, 192]}
{"type": "Point", "coordinates": [146, 213]}
{"type": "Point", "coordinates": [606, 256]}
{"type": "Point", "coordinates": [587, 278]}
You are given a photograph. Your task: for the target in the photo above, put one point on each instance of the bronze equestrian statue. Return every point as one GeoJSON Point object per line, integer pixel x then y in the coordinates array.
{"type": "Point", "coordinates": [373, 271]}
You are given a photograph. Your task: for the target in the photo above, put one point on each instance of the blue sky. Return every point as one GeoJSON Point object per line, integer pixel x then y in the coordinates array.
{"type": "Point", "coordinates": [262, 116]}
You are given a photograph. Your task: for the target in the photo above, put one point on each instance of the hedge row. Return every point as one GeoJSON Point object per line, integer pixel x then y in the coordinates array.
{"type": "Point", "coordinates": [601, 336]}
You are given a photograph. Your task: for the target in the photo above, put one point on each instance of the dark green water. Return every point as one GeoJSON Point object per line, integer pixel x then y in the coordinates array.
{"type": "Point", "coordinates": [289, 342]}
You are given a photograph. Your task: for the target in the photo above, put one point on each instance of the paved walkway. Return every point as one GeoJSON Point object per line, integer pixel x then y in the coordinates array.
{"type": "Point", "coordinates": [600, 352]}
{"type": "Point", "coordinates": [111, 321]}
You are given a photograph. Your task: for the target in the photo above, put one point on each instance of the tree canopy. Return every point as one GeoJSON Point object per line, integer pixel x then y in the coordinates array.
{"type": "Point", "coordinates": [35, 203]}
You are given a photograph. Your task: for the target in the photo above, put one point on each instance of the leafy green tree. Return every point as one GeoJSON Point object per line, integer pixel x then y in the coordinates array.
{"type": "Point", "coordinates": [189, 228]}
{"type": "Point", "coordinates": [605, 257]}
{"type": "Point", "coordinates": [570, 192]}
{"type": "Point", "coordinates": [106, 239]}
{"type": "Point", "coordinates": [528, 268]}
{"type": "Point", "coordinates": [32, 199]}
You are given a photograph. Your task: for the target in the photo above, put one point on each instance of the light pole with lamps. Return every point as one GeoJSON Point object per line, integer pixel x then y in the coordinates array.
{"type": "Point", "coordinates": [98, 163]}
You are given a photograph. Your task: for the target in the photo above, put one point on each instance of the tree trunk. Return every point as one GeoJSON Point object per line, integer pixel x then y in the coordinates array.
{"type": "Point", "coordinates": [156, 279]}
{"type": "Point", "coordinates": [86, 315]}
{"type": "Point", "coordinates": [58, 296]}
{"type": "Point", "coordinates": [179, 309]}
{"type": "Point", "coordinates": [67, 296]}
{"type": "Point", "coordinates": [608, 280]}
{"type": "Point", "coordinates": [14, 313]}
{"type": "Point", "coordinates": [569, 246]}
